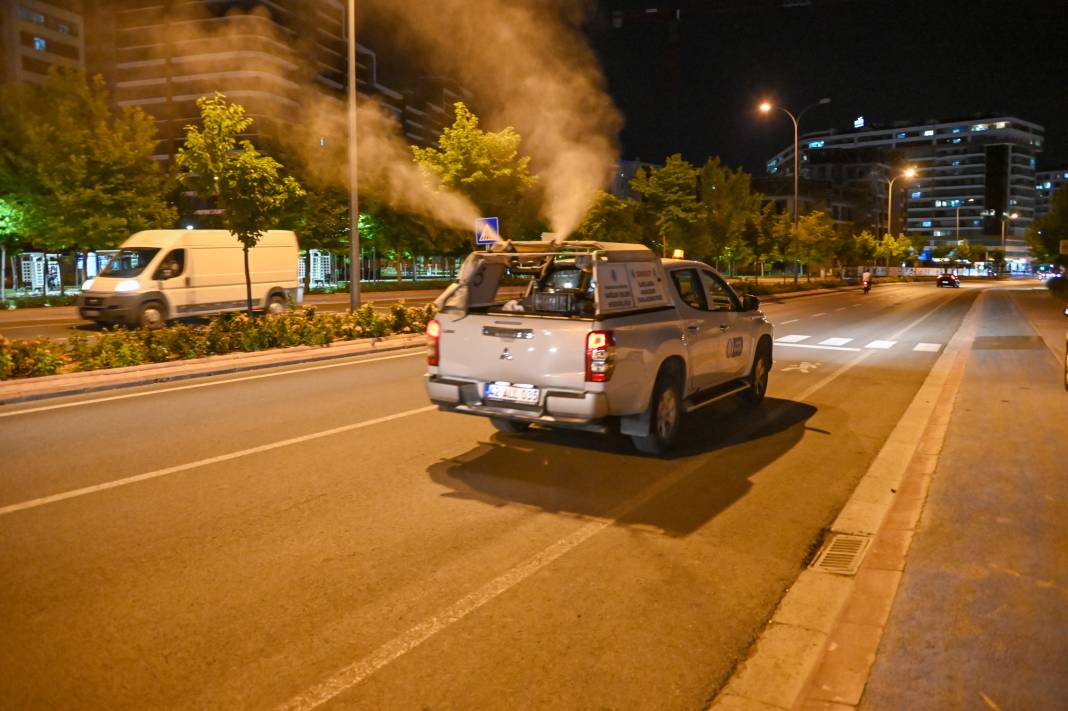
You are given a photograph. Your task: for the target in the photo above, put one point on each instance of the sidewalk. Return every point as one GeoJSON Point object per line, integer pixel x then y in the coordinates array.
{"type": "Point", "coordinates": [979, 618]}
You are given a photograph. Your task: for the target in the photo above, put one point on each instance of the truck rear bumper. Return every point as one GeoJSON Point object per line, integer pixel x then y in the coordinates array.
{"type": "Point", "coordinates": [561, 408]}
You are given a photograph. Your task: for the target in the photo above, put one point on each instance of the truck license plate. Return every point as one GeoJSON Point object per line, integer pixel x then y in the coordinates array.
{"type": "Point", "coordinates": [91, 312]}
{"type": "Point", "coordinates": [512, 393]}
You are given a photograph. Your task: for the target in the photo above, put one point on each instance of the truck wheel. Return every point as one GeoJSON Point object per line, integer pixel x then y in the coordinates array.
{"type": "Point", "coordinates": [758, 377]}
{"type": "Point", "coordinates": [276, 304]}
{"type": "Point", "coordinates": [509, 426]}
{"type": "Point", "coordinates": [151, 315]}
{"type": "Point", "coordinates": [666, 417]}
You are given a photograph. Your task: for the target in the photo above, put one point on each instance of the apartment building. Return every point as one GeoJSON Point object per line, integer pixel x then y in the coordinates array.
{"type": "Point", "coordinates": [975, 177]}
{"type": "Point", "coordinates": [36, 36]}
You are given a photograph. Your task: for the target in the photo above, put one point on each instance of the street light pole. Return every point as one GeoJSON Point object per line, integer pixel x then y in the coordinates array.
{"type": "Point", "coordinates": [765, 108]}
{"type": "Point", "coordinates": [1004, 217]}
{"type": "Point", "coordinates": [910, 172]}
{"type": "Point", "coordinates": [354, 199]}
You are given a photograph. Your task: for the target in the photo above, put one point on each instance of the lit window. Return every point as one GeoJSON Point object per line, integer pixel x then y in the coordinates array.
{"type": "Point", "coordinates": [816, 144]}
{"type": "Point", "coordinates": [917, 194]}
{"type": "Point", "coordinates": [939, 233]}
{"type": "Point", "coordinates": [929, 132]}
{"type": "Point", "coordinates": [956, 130]}
{"type": "Point", "coordinates": [30, 16]}
{"type": "Point", "coordinates": [956, 162]}
{"type": "Point", "coordinates": [1049, 184]}
{"type": "Point", "coordinates": [1065, 176]}
{"type": "Point", "coordinates": [39, 44]}
{"type": "Point", "coordinates": [925, 223]}
{"type": "Point", "coordinates": [901, 135]}
{"type": "Point", "coordinates": [977, 222]}
{"type": "Point", "coordinates": [980, 127]}
{"type": "Point", "coordinates": [955, 140]}
{"type": "Point", "coordinates": [64, 28]}
{"type": "Point", "coordinates": [999, 124]}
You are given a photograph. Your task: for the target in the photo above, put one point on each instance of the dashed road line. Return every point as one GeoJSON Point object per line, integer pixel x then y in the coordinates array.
{"type": "Point", "coordinates": [821, 313]}
{"type": "Point", "coordinates": [928, 347]}
{"type": "Point", "coordinates": [796, 338]}
{"type": "Point", "coordinates": [813, 346]}
{"type": "Point", "coordinates": [835, 341]}
{"type": "Point", "coordinates": [881, 345]}
{"type": "Point", "coordinates": [793, 320]}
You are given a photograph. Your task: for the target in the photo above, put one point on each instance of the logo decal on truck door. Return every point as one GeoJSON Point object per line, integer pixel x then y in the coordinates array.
{"type": "Point", "coordinates": [734, 347]}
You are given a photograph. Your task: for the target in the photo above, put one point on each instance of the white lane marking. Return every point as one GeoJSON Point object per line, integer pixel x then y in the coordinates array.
{"type": "Point", "coordinates": [821, 313]}
{"type": "Point", "coordinates": [74, 493]}
{"type": "Point", "coordinates": [841, 308]}
{"type": "Point", "coordinates": [822, 348]}
{"type": "Point", "coordinates": [793, 320]}
{"type": "Point", "coordinates": [860, 358]}
{"type": "Point", "coordinates": [835, 341]}
{"type": "Point", "coordinates": [804, 367]}
{"type": "Point", "coordinates": [928, 347]}
{"type": "Point", "coordinates": [881, 345]}
{"type": "Point", "coordinates": [351, 675]}
{"type": "Point", "coordinates": [856, 305]}
{"type": "Point", "coordinates": [93, 401]}
{"type": "Point", "coordinates": [791, 339]}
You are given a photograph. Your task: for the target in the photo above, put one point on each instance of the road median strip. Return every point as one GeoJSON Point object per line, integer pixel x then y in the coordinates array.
{"type": "Point", "coordinates": [67, 384]}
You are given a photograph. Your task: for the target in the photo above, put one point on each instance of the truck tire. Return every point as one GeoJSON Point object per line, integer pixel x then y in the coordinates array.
{"type": "Point", "coordinates": [151, 315]}
{"type": "Point", "coordinates": [509, 426]}
{"type": "Point", "coordinates": [758, 376]}
{"type": "Point", "coordinates": [665, 417]}
{"type": "Point", "coordinates": [276, 304]}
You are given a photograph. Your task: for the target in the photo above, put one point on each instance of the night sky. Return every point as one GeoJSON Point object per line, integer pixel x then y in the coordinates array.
{"type": "Point", "coordinates": [692, 86]}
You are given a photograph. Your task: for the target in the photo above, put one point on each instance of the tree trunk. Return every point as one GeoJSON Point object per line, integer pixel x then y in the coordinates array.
{"type": "Point", "coordinates": [399, 263]}
{"type": "Point", "coordinates": [3, 271]}
{"type": "Point", "coordinates": [248, 282]}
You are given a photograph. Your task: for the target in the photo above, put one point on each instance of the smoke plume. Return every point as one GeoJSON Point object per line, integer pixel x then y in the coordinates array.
{"type": "Point", "coordinates": [529, 66]}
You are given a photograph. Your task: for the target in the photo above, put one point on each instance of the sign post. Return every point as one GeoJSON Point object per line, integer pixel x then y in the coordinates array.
{"type": "Point", "coordinates": [487, 231]}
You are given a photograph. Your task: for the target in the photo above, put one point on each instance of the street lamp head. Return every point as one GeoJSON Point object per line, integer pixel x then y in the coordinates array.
{"type": "Point", "coordinates": [765, 107]}
{"type": "Point", "coordinates": [825, 100]}
{"type": "Point", "coordinates": [1014, 215]}
{"type": "Point", "coordinates": [910, 173]}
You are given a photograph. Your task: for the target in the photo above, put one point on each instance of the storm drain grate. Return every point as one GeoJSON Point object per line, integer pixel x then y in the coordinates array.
{"type": "Point", "coordinates": [842, 555]}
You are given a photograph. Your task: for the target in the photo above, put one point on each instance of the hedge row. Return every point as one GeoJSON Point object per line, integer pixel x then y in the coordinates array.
{"type": "Point", "coordinates": [224, 334]}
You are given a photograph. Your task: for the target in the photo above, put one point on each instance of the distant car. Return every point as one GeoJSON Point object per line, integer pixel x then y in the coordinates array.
{"type": "Point", "coordinates": [948, 280]}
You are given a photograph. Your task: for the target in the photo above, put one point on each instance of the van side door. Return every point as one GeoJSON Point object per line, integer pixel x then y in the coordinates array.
{"type": "Point", "coordinates": [173, 280]}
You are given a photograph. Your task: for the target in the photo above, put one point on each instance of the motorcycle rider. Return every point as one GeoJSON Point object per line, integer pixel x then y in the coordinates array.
{"type": "Point", "coordinates": [865, 280]}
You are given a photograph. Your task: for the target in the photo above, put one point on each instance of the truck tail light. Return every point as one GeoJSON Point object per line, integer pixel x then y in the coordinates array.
{"type": "Point", "coordinates": [600, 354]}
{"type": "Point", "coordinates": [433, 341]}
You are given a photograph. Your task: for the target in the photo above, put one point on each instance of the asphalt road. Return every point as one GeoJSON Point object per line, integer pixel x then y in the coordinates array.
{"type": "Point", "coordinates": [320, 536]}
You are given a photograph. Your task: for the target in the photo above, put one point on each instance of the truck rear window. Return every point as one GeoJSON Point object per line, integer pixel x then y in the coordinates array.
{"type": "Point", "coordinates": [561, 289]}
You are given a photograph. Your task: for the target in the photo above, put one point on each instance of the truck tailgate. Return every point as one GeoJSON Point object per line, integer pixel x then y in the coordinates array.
{"type": "Point", "coordinates": [543, 352]}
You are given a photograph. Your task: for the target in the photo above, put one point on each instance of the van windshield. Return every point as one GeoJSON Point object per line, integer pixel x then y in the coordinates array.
{"type": "Point", "coordinates": [129, 262]}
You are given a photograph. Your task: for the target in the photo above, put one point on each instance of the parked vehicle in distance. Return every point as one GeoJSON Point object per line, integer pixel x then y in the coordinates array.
{"type": "Point", "coordinates": [948, 279]}
{"type": "Point", "coordinates": [606, 335]}
{"type": "Point", "coordinates": [162, 274]}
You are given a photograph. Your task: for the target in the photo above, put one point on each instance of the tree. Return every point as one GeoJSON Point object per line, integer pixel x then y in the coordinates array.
{"type": "Point", "coordinates": [246, 185]}
{"type": "Point", "coordinates": [611, 219]}
{"type": "Point", "coordinates": [726, 204]}
{"type": "Point", "coordinates": [395, 233]}
{"type": "Point", "coordinates": [893, 248]}
{"type": "Point", "coordinates": [758, 236]}
{"type": "Point", "coordinates": [82, 174]}
{"type": "Point", "coordinates": [815, 237]}
{"type": "Point", "coordinates": [866, 246]}
{"type": "Point", "coordinates": [669, 210]}
{"type": "Point", "coordinates": [488, 168]}
{"type": "Point", "coordinates": [1045, 235]}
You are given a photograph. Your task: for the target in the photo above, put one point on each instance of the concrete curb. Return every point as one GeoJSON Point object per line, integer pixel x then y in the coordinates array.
{"type": "Point", "coordinates": [823, 614]}
{"type": "Point", "coordinates": [65, 384]}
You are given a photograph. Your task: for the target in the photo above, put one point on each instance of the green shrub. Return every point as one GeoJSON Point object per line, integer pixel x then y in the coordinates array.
{"type": "Point", "coordinates": [26, 359]}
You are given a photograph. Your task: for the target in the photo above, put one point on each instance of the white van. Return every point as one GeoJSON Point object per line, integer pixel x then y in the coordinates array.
{"type": "Point", "coordinates": [162, 274]}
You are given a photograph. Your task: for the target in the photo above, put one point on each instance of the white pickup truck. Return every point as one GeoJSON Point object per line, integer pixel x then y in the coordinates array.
{"type": "Point", "coordinates": [605, 334]}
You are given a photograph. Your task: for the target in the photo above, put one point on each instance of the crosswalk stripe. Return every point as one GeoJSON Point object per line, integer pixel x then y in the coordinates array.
{"type": "Point", "coordinates": [791, 339]}
{"type": "Point", "coordinates": [835, 341]}
{"type": "Point", "coordinates": [881, 345]}
{"type": "Point", "coordinates": [928, 347]}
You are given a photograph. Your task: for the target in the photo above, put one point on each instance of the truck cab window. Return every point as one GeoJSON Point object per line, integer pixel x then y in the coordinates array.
{"type": "Point", "coordinates": [688, 284]}
{"type": "Point", "coordinates": [173, 265]}
{"type": "Point", "coordinates": [720, 296]}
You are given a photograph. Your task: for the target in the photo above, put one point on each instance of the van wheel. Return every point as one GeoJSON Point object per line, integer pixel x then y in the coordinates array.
{"type": "Point", "coordinates": [276, 304]}
{"type": "Point", "coordinates": [758, 377]}
{"type": "Point", "coordinates": [666, 417]}
{"type": "Point", "coordinates": [509, 426]}
{"type": "Point", "coordinates": [151, 315]}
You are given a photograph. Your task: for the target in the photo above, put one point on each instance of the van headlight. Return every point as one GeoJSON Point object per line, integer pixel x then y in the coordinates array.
{"type": "Point", "coordinates": [127, 285]}
{"type": "Point", "coordinates": [88, 284]}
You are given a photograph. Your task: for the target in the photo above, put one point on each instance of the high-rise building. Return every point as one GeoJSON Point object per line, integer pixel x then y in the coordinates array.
{"type": "Point", "coordinates": [973, 175]}
{"type": "Point", "coordinates": [1048, 182]}
{"type": "Point", "coordinates": [36, 35]}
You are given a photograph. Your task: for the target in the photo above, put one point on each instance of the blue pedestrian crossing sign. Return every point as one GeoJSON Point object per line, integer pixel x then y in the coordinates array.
{"type": "Point", "coordinates": [486, 230]}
